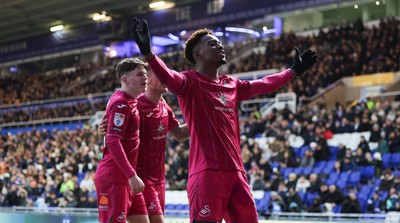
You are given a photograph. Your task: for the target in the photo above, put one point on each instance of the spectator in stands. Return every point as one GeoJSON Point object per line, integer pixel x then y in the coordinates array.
{"type": "Point", "coordinates": [349, 165]}
{"type": "Point", "coordinates": [315, 183]}
{"type": "Point", "coordinates": [376, 134]}
{"type": "Point", "coordinates": [315, 205]}
{"type": "Point", "coordinates": [302, 184]}
{"type": "Point", "coordinates": [287, 160]}
{"type": "Point", "coordinates": [393, 142]}
{"type": "Point", "coordinates": [360, 158]}
{"type": "Point", "coordinates": [337, 168]}
{"type": "Point", "coordinates": [258, 183]}
{"type": "Point", "coordinates": [322, 152]}
{"type": "Point", "coordinates": [364, 145]}
{"type": "Point", "coordinates": [387, 180]}
{"type": "Point", "coordinates": [292, 181]}
{"type": "Point", "coordinates": [276, 204]}
{"type": "Point", "coordinates": [376, 204]}
{"type": "Point", "coordinates": [392, 201]}
{"type": "Point", "coordinates": [351, 204]}
{"type": "Point", "coordinates": [383, 146]}
{"type": "Point", "coordinates": [341, 153]}
{"type": "Point", "coordinates": [335, 195]}
{"type": "Point", "coordinates": [293, 201]}
{"type": "Point", "coordinates": [323, 192]}
{"type": "Point", "coordinates": [308, 160]}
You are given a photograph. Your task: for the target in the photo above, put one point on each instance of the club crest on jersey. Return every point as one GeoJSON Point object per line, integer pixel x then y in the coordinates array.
{"type": "Point", "coordinates": [205, 211]}
{"type": "Point", "coordinates": [121, 217]}
{"type": "Point", "coordinates": [222, 98]}
{"type": "Point", "coordinates": [152, 207]}
{"type": "Point", "coordinates": [119, 119]}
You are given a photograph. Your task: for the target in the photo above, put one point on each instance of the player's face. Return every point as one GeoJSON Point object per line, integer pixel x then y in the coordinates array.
{"type": "Point", "coordinates": [211, 50]}
{"type": "Point", "coordinates": [136, 80]}
{"type": "Point", "coordinates": [154, 84]}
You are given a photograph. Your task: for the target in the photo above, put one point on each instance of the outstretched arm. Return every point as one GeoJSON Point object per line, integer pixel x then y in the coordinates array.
{"type": "Point", "coordinates": [273, 82]}
{"type": "Point", "coordinates": [172, 79]}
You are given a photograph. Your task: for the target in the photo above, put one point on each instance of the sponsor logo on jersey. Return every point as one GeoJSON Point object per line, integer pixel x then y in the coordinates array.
{"type": "Point", "coordinates": [119, 119]}
{"type": "Point", "coordinates": [149, 115]}
{"type": "Point", "coordinates": [103, 203]}
{"type": "Point", "coordinates": [205, 211]}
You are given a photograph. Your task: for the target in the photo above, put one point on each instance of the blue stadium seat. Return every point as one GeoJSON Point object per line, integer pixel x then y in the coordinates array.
{"type": "Point", "coordinates": [344, 176]}
{"type": "Point", "coordinates": [287, 171]}
{"type": "Point", "coordinates": [337, 208]}
{"type": "Point", "coordinates": [298, 170]}
{"type": "Point", "coordinates": [317, 170]}
{"type": "Point", "coordinates": [395, 160]}
{"type": "Point", "coordinates": [367, 172]}
{"type": "Point", "coordinates": [309, 198]}
{"type": "Point", "coordinates": [334, 150]}
{"type": "Point", "coordinates": [328, 167]}
{"type": "Point", "coordinates": [320, 164]}
{"type": "Point", "coordinates": [264, 202]}
{"type": "Point", "coordinates": [342, 184]}
{"type": "Point", "coordinates": [355, 178]}
{"type": "Point", "coordinates": [386, 160]}
{"type": "Point", "coordinates": [333, 176]}
{"type": "Point", "coordinates": [307, 170]}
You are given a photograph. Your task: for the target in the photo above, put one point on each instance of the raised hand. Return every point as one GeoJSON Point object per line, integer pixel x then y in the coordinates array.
{"type": "Point", "coordinates": [303, 62]}
{"type": "Point", "coordinates": [140, 31]}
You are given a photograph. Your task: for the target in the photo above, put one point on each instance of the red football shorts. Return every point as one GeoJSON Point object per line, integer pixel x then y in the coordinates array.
{"type": "Point", "coordinates": [118, 201]}
{"type": "Point", "coordinates": [154, 195]}
{"type": "Point", "coordinates": [217, 194]}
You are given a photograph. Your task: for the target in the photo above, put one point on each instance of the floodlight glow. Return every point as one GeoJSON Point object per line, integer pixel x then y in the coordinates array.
{"type": "Point", "coordinates": [242, 30]}
{"type": "Point", "coordinates": [56, 28]}
{"type": "Point", "coordinates": [98, 16]}
{"type": "Point", "coordinates": [156, 4]}
{"type": "Point", "coordinates": [183, 32]}
{"type": "Point", "coordinates": [218, 33]}
{"type": "Point", "coordinates": [173, 37]}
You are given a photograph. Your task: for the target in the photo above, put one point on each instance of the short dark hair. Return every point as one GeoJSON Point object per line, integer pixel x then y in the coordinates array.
{"type": "Point", "coordinates": [192, 42]}
{"type": "Point", "coordinates": [127, 65]}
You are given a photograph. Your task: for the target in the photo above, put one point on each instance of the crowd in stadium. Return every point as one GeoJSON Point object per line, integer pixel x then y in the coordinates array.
{"type": "Point", "coordinates": [359, 50]}
{"type": "Point", "coordinates": [54, 168]}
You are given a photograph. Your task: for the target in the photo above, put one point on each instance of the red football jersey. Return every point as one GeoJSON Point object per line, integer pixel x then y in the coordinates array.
{"type": "Point", "coordinates": [155, 122]}
{"type": "Point", "coordinates": [123, 122]}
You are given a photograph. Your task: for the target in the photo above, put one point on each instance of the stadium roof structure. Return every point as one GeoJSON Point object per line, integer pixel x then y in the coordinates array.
{"type": "Point", "coordinates": [20, 19]}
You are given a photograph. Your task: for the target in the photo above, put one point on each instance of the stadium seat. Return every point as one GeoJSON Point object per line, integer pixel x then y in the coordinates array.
{"type": "Point", "coordinates": [309, 198]}
{"type": "Point", "coordinates": [317, 170]}
{"type": "Point", "coordinates": [354, 179]}
{"type": "Point", "coordinates": [386, 160]}
{"type": "Point", "coordinates": [264, 202]}
{"type": "Point", "coordinates": [344, 176]}
{"type": "Point", "coordinates": [395, 160]}
{"type": "Point", "coordinates": [320, 164]}
{"type": "Point", "coordinates": [307, 170]}
{"type": "Point", "coordinates": [367, 172]}
{"type": "Point", "coordinates": [341, 184]}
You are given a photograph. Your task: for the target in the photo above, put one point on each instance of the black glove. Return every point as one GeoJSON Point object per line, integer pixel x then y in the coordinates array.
{"type": "Point", "coordinates": [303, 62]}
{"type": "Point", "coordinates": [142, 35]}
